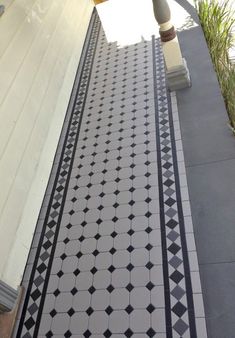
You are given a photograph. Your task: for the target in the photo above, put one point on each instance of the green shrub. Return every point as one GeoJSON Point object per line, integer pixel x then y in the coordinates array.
{"type": "Point", "coordinates": [217, 20]}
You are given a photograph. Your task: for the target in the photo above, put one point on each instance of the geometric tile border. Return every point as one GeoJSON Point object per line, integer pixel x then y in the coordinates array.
{"type": "Point", "coordinates": [117, 231]}
{"type": "Point", "coordinates": [179, 297]}
{"type": "Point", "coordinates": [180, 316]}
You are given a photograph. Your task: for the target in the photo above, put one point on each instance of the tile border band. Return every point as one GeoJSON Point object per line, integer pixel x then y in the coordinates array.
{"type": "Point", "coordinates": [189, 293]}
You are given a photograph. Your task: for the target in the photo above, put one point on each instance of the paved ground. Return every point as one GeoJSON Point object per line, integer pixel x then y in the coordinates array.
{"type": "Point", "coordinates": [113, 252]}
{"type": "Point", "coordinates": [209, 149]}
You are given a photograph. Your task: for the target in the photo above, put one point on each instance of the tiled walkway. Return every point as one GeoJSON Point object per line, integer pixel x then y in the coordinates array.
{"type": "Point", "coordinates": [113, 254]}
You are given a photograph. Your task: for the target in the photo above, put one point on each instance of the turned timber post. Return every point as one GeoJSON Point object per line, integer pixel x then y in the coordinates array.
{"type": "Point", "coordinates": [177, 73]}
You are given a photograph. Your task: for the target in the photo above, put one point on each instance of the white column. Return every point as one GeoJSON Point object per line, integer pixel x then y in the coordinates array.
{"type": "Point", "coordinates": [176, 67]}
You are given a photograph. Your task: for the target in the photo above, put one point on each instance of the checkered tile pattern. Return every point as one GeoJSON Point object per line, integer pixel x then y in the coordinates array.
{"type": "Point", "coordinates": [111, 259]}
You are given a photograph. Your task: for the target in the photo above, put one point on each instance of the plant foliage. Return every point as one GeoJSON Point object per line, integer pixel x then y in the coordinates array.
{"type": "Point", "coordinates": [217, 20]}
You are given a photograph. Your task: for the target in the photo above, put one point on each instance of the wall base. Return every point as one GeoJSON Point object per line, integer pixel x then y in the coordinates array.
{"type": "Point", "coordinates": [7, 319]}
{"type": "Point", "coordinates": [8, 296]}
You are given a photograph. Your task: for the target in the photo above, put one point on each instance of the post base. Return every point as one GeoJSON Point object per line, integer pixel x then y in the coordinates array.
{"type": "Point", "coordinates": [178, 77]}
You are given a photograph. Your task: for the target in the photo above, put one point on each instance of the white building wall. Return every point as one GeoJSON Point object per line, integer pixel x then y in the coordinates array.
{"type": "Point", "coordinates": [40, 46]}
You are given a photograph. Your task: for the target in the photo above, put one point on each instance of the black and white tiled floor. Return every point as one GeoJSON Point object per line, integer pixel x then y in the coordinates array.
{"type": "Point", "coordinates": [113, 253]}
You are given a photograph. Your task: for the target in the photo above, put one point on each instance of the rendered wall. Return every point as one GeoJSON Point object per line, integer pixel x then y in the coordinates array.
{"type": "Point", "coordinates": [40, 46]}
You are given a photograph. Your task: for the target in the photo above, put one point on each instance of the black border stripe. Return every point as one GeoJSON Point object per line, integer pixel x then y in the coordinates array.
{"type": "Point", "coordinates": [161, 202]}
{"type": "Point", "coordinates": [189, 292]}
{"type": "Point", "coordinates": [21, 324]}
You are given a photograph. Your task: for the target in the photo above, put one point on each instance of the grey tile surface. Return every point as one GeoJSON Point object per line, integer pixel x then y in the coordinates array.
{"type": "Point", "coordinates": [219, 307]}
{"type": "Point", "coordinates": [213, 216]}
{"type": "Point", "coordinates": [202, 112]}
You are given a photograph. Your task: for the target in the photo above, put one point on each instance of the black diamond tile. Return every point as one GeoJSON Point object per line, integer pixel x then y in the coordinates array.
{"type": "Point", "coordinates": [51, 224]}
{"type": "Point", "coordinates": [41, 268]}
{"type": "Point", "coordinates": [110, 288]}
{"type": "Point", "coordinates": [53, 313]}
{"type": "Point", "coordinates": [49, 334]}
{"type": "Point", "coordinates": [176, 276]}
{"type": "Point", "coordinates": [168, 182]}
{"type": "Point", "coordinates": [172, 224]}
{"type": "Point", "coordinates": [109, 310]}
{"type": "Point", "coordinates": [149, 247]}
{"type": "Point", "coordinates": [129, 309]}
{"type": "Point", "coordinates": [91, 289]}
{"type": "Point", "coordinates": [149, 265]}
{"type": "Point", "coordinates": [68, 226]}
{"type": "Point", "coordinates": [150, 286]}
{"type": "Point", "coordinates": [150, 308]}
{"type": "Point", "coordinates": [179, 309]}
{"type": "Point", "coordinates": [130, 267]}
{"type": "Point", "coordinates": [129, 287]}
{"type": "Point", "coordinates": [151, 333]}
{"type": "Point", "coordinates": [111, 268]}
{"type": "Point", "coordinates": [81, 239]}
{"type": "Point", "coordinates": [112, 251]}
{"type": "Point", "coordinates": [76, 272]}
{"type": "Point", "coordinates": [130, 232]}
{"type": "Point", "coordinates": [94, 270]}
{"type": "Point", "coordinates": [36, 294]}
{"type": "Point", "coordinates": [170, 201]}
{"type": "Point", "coordinates": [107, 333]}
{"type": "Point", "coordinates": [174, 248]}
{"type": "Point", "coordinates": [56, 292]}
{"type": "Point", "coordinates": [130, 248]}
{"type": "Point", "coordinates": [95, 252]}
{"type": "Point", "coordinates": [167, 165]}
{"type": "Point", "coordinates": [89, 311]}
{"type": "Point", "coordinates": [66, 240]}
{"type": "Point", "coordinates": [71, 312]}
{"type": "Point", "coordinates": [148, 214]}
{"type": "Point", "coordinates": [99, 221]}
{"type": "Point", "coordinates": [29, 323]}
{"type": "Point", "coordinates": [87, 334]}
{"type": "Point", "coordinates": [113, 234]}
{"type": "Point", "coordinates": [74, 291]}
{"type": "Point", "coordinates": [63, 256]}
{"type": "Point", "coordinates": [83, 224]}
{"type": "Point", "coordinates": [148, 230]}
